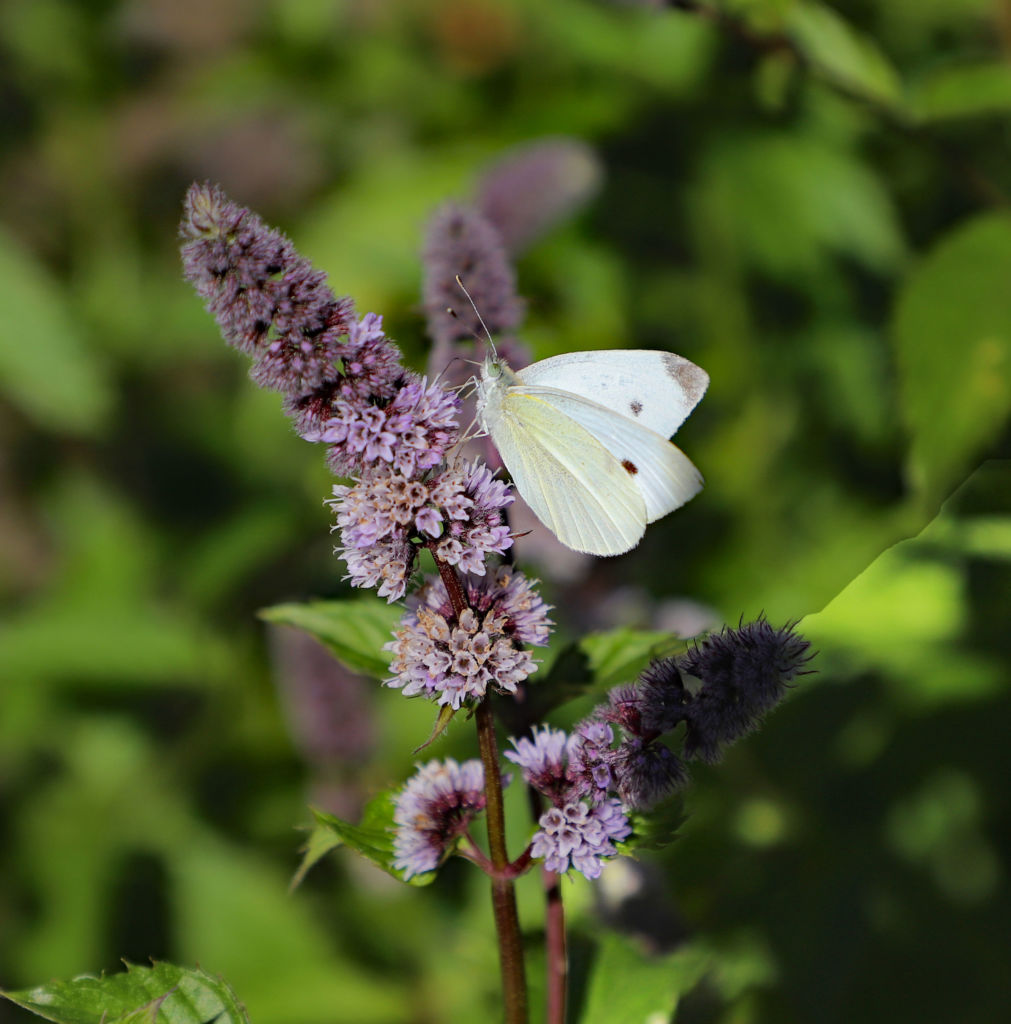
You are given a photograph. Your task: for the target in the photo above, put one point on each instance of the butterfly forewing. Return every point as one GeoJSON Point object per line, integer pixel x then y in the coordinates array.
{"type": "Point", "coordinates": [574, 485]}
{"type": "Point", "coordinates": [655, 389]}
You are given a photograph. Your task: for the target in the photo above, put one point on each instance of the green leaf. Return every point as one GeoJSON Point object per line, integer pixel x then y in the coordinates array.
{"type": "Point", "coordinates": [952, 332]}
{"type": "Point", "coordinates": [373, 838]}
{"type": "Point", "coordinates": [619, 655]}
{"type": "Point", "coordinates": [45, 366]}
{"type": "Point", "coordinates": [442, 719]}
{"type": "Point", "coordinates": [160, 994]}
{"type": "Point", "coordinates": [355, 630]}
{"type": "Point", "coordinates": [627, 985]}
{"type": "Point", "coordinates": [843, 55]}
{"type": "Point", "coordinates": [963, 91]}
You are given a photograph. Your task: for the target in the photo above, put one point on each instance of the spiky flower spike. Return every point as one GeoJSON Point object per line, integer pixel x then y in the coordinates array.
{"type": "Point", "coordinates": [744, 673]}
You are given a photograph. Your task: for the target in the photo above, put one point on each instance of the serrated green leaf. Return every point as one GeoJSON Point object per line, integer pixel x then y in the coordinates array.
{"type": "Point", "coordinates": [373, 838]}
{"type": "Point", "coordinates": [354, 630]}
{"type": "Point", "coordinates": [161, 994]}
{"type": "Point", "coordinates": [45, 366]}
{"type": "Point", "coordinates": [844, 55]}
{"type": "Point", "coordinates": [963, 91]}
{"type": "Point", "coordinates": [952, 332]}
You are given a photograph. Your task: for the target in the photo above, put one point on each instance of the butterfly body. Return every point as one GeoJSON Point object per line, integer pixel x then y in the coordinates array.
{"type": "Point", "coordinates": [585, 437]}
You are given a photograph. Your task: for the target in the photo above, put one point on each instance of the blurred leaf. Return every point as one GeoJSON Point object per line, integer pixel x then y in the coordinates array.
{"type": "Point", "coordinates": [843, 54]}
{"type": "Point", "coordinates": [787, 200]}
{"type": "Point", "coordinates": [952, 330]}
{"type": "Point", "coordinates": [656, 828]}
{"type": "Point", "coordinates": [103, 619]}
{"type": "Point", "coordinates": [45, 366]}
{"type": "Point", "coordinates": [373, 838]}
{"type": "Point", "coordinates": [963, 91]}
{"type": "Point", "coordinates": [626, 985]}
{"type": "Point", "coordinates": [160, 994]}
{"type": "Point", "coordinates": [906, 615]}
{"type": "Point", "coordinates": [355, 630]}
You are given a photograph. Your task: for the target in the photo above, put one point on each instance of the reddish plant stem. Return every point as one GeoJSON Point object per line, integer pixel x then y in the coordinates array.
{"type": "Point", "coordinates": [557, 954]}
{"type": "Point", "coordinates": [554, 934]}
{"type": "Point", "coordinates": [503, 890]}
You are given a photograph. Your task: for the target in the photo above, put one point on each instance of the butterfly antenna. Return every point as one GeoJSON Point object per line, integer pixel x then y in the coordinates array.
{"type": "Point", "coordinates": [477, 313]}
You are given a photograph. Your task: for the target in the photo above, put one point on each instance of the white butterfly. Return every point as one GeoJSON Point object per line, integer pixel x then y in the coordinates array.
{"type": "Point", "coordinates": [585, 437]}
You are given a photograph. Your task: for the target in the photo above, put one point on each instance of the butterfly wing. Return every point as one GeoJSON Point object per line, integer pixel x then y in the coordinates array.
{"type": "Point", "coordinates": [662, 473]}
{"type": "Point", "coordinates": [655, 389]}
{"type": "Point", "coordinates": [570, 480]}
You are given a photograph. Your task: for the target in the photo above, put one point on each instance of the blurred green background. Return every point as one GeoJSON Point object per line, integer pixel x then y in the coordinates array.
{"type": "Point", "coordinates": [809, 201]}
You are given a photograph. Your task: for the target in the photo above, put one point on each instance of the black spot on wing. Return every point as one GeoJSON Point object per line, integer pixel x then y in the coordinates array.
{"type": "Point", "coordinates": [636, 407]}
{"type": "Point", "coordinates": [630, 467]}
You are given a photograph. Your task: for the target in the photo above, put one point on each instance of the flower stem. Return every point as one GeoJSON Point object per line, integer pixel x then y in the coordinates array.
{"type": "Point", "coordinates": [554, 934]}
{"type": "Point", "coordinates": [557, 955]}
{"type": "Point", "coordinates": [503, 891]}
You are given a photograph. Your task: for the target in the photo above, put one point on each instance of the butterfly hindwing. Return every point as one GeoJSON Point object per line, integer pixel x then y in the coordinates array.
{"type": "Point", "coordinates": [662, 473]}
{"type": "Point", "coordinates": [573, 484]}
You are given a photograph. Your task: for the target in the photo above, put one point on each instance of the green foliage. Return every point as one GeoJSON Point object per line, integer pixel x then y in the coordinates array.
{"type": "Point", "coordinates": [953, 341]}
{"type": "Point", "coordinates": [355, 631]}
{"type": "Point", "coordinates": [160, 994]}
{"type": "Point", "coordinates": [66, 388]}
{"type": "Point", "coordinates": [658, 827]}
{"type": "Point", "coordinates": [628, 985]}
{"type": "Point", "coordinates": [373, 838]}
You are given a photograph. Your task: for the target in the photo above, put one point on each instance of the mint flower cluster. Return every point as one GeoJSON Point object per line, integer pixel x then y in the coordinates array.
{"type": "Point", "coordinates": [341, 377]}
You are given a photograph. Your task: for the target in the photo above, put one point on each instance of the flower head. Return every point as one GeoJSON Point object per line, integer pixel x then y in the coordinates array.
{"type": "Point", "coordinates": [645, 772]}
{"type": "Point", "coordinates": [454, 660]}
{"type": "Point", "coordinates": [580, 836]}
{"type": "Point", "coordinates": [384, 511]}
{"type": "Point", "coordinates": [543, 760]}
{"type": "Point", "coordinates": [434, 808]}
{"type": "Point", "coordinates": [268, 301]}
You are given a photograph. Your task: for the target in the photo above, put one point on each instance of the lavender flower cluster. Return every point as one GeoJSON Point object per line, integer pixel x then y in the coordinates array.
{"type": "Point", "coordinates": [345, 387]}
{"type": "Point", "coordinates": [592, 783]}
{"type": "Point", "coordinates": [453, 660]}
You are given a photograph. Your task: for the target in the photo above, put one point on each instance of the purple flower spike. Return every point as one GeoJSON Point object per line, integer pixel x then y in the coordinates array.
{"type": "Point", "coordinates": [382, 513]}
{"type": "Point", "coordinates": [434, 809]}
{"type": "Point", "coordinates": [460, 241]}
{"type": "Point", "coordinates": [646, 772]}
{"type": "Point", "coordinates": [268, 301]}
